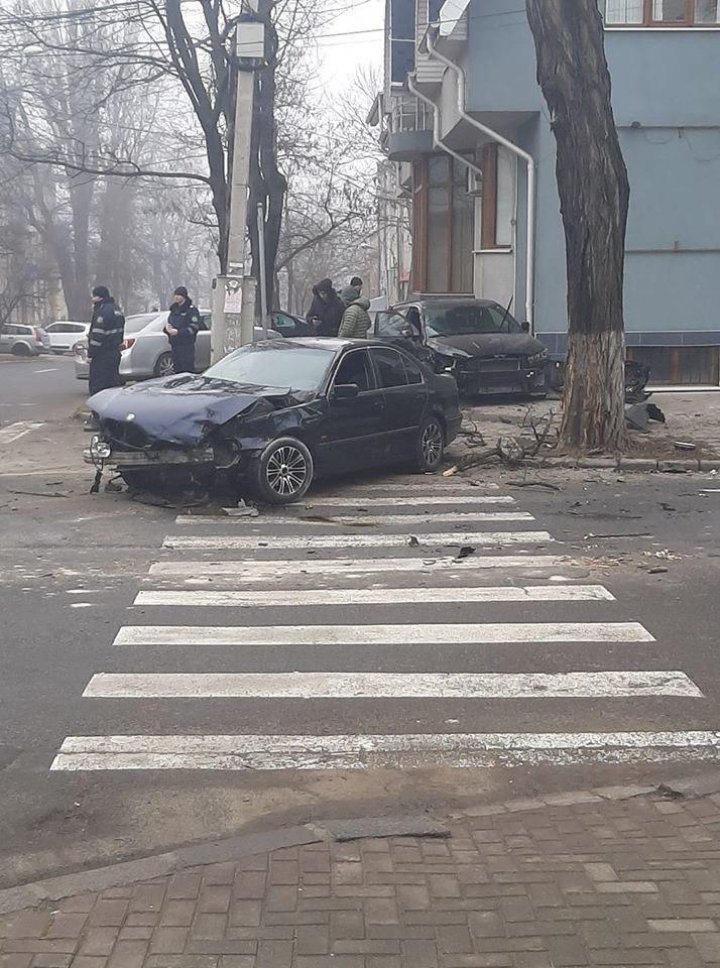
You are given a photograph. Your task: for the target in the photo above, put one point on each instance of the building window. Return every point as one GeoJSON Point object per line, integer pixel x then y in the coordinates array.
{"type": "Point", "coordinates": [402, 40]}
{"type": "Point", "coordinates": [498, 197]}
{"type": "Point", "coordinates": [443, 226]}
{"type": "Point", "coordinates": [661, 13]}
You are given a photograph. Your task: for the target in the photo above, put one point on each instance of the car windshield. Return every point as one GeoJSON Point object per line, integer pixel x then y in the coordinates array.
{"type": "Point", "coordinates": [279, 365]}
{"type": "Point", "coordinates": [471, 319]}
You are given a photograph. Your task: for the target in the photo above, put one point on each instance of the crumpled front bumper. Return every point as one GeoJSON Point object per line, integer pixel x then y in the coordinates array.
{"type": "Point", "coordinates": [486, 380]}
{"type": "Point", "coordinates": [160, 457]}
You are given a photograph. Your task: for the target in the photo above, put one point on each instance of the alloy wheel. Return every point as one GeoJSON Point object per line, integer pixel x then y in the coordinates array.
{"type": "Point", "coordinates": [432, 443]}
{"type": "Point", "coordinates": [287, 471]}
{"type": "Point", "coordinates": [165, 366]}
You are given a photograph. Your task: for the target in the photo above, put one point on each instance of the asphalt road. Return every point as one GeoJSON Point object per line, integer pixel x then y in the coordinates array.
{"type": "Point", "coordinates": [255, 708]}
{"type": "Point", "coordinates": [38, 389]}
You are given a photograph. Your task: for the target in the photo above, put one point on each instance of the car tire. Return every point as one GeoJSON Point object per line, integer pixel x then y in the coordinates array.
{"type": "Point", "coordinates": [21, 349]}
{"type": "Point", "coordinates": [164, 365]}
{"type": "Point", "coordinates": [283, 472]}
{"type": "Point", "coordinates": [430, 446]}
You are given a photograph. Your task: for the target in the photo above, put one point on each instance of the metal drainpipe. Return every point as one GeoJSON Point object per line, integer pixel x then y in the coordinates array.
{"type": "Point", "coordinates": [519, 153]}
{"type": "Point", "coordinates": [437, 140]}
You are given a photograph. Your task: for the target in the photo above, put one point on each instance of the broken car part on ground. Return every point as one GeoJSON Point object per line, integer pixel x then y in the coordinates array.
{"type": "Point", "coordinates": [273, 416]}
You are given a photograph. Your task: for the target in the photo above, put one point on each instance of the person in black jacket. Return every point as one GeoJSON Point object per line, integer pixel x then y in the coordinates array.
{"type": "Point", "coordinates": [326, 310]}
{"type": "Point", "coordinates": [104, 340]}
{"type": "Point", "coordinates": [182, 328]}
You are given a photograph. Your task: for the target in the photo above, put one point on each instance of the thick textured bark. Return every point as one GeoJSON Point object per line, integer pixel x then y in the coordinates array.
{"type": "Point", "coordinates": [594, 193]}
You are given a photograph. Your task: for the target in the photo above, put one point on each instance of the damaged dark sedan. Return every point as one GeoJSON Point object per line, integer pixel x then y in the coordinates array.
{"type": "Point", "coordinates": [273, 416]}
{"type": "Point", "coordinates": [476, 340]}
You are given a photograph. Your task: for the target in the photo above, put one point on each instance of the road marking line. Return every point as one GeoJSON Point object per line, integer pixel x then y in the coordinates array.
{"type": "Point", "coordinates": [14, 431]}
{"type": "Point", "coordinates": [374, 596]}
{"type": "Point", "coordinates": [261, 570]}
{"type": "Point", "coordinates": [385, 685]}
{"type": "Point", "coordinates": [53, 369]}
{"type": "Point", "coordinates": [460, 634]}
{"type": "Point", "coordinates": [451, 538]}
{"type": "Point", "coordinates": [431, 482]}
{"type": "Point", "coordinates": [360, 520]}
{"type": "Point", "coordinates": [407, 500]}
{"type": "Point", "coordinates": [351, 752]}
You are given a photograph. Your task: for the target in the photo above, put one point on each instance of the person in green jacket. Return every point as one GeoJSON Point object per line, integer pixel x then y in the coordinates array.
{"type": "Point", "coordinates": [355, 323]}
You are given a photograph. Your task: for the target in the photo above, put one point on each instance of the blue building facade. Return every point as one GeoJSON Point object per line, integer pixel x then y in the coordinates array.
{"type": "Point", "coordinates": [485, 124]}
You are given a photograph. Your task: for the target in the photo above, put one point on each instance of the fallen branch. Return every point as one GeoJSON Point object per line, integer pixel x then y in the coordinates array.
{"type": "Point", "coordinates": [547, 484]}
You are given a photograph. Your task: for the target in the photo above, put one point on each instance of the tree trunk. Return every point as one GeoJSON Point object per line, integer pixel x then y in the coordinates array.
{"type": "Point", "coordinates": [594, 194]}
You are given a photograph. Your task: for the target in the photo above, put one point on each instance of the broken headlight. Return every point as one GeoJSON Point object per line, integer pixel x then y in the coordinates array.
{"type": "Point", "coordinates": [100, 449]}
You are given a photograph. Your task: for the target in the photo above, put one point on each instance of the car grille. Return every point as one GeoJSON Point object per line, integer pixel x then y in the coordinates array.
{"type": "Point", "coordinates": [126, 435]}
{"type": "Point", "coordinates": [166, 456]}
{"type": "Point", "coordinates": [483, 365]}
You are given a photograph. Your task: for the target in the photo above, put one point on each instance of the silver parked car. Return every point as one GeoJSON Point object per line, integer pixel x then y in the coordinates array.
{"type": "Point", "coordinates": [65, 333]}
{"type": "Point", "coordinates": [23, 340]}
{"type": "Point", "coordinates": [133, 326]}
{"type": "Point", "coordinates": [146, 349]}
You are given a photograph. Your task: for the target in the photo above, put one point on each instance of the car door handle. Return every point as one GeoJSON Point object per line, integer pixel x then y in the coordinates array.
{"type": "Point", "coordinates": [378, 405]}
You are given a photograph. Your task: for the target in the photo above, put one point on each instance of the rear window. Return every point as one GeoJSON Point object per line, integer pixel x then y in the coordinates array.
{"type": "Point", "coordinates": [390, 368]}
{"type": "Point", "coordinates": [133, 324]}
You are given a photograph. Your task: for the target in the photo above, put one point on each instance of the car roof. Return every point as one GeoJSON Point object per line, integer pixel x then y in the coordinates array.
{"type": "Point", "coordinates": [439, 302]}
{"type": "Point", "coordinates": [333, 344]}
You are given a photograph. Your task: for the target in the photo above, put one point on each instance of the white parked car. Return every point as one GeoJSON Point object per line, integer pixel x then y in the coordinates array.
{"type": "Point", "coordinates": [65, 333]}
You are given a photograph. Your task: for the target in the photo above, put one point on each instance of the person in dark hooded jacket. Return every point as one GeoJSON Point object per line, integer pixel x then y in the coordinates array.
{"type": "Point", "coordinates": [326, 310]}
{"type": "Point", "coordinates": [182, 328]}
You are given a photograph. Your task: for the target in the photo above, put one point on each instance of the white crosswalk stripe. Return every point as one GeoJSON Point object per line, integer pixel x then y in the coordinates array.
{"type": "Point", "coordinates": [387, 685]}
{"type": "Point", "coordinates": [361, 752]}
{"type": "Point", "coordinates": [279, 598]}
{"type": "Point", "coordinates": [429, 500]}
{"type": "Point", "coordinates": [247, 571]}
{"type": "Point", "coordinates": [312, 556]}
{"type": "Point", "coordinates": [292, 542]}
{"type": "Point", "coordinates": [463, 518]}
{"type": "Point", "coordinates": [453, 634]}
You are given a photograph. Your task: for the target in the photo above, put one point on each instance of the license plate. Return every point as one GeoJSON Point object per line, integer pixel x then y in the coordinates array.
{"type": "Point", "coordinates": [509, 365]}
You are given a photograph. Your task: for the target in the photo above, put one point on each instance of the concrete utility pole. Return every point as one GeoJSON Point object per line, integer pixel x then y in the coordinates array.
{"type": "Point", "coordinates": [233, 296]}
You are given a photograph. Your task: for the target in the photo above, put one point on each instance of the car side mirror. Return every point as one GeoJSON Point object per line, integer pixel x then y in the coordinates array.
{"type": "Point", "coordinates": [525, 327]}
{"type": "Point", "coordinates": [346, 391]}
{"type": "Point", "coordinates": [409, 332]}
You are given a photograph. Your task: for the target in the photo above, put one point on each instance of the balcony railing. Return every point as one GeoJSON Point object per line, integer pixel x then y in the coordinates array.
{"type": "Point", "coordinates": [407, 114]}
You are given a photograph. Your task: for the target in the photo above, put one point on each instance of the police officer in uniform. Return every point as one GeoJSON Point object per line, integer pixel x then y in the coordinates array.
{"type": "Point", "coordinates": [182, 328]}
{"type": "Point", "coordinates": [104, 340]}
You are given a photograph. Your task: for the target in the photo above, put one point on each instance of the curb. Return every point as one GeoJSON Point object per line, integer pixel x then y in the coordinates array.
{"type": "Point", "coordinates": [213, 852]}
{"type": "Point", "coordinates": [36, 893]}
{"type": "Point", "coordinates": [632, 464]}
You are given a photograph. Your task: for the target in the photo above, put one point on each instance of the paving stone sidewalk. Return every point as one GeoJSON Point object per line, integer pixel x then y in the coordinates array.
{"type": "Point", "coordinates": [601, 882]}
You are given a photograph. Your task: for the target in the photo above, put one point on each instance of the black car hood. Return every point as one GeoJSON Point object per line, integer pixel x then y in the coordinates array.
{"type": "Point", "coordinates": [180, 409]}
{"type": "Point", "coordinates": [487, 344]}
